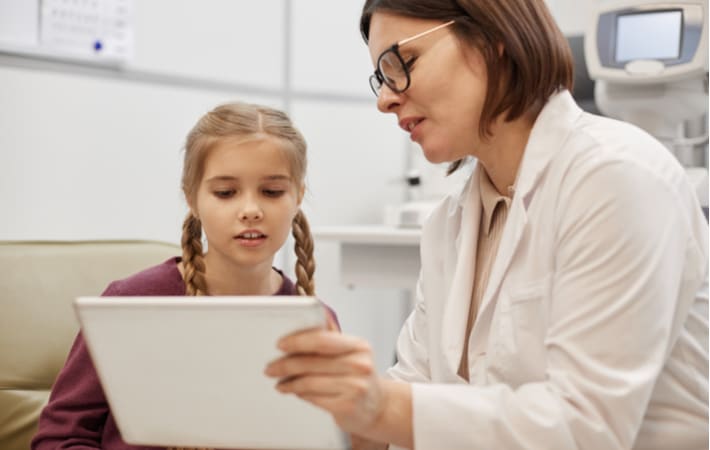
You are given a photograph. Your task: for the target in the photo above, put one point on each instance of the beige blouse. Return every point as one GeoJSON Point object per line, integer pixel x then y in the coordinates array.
{"type": "Point", "coordinates": [493, 215]}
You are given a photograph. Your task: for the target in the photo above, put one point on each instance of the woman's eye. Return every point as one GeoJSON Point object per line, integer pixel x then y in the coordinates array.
{"type": "Point", "coordinates": [409, 63]}
{"type": "Point", "coordinates": [273, 192]}
{"type": "Point", "coordinates": [227, 193]}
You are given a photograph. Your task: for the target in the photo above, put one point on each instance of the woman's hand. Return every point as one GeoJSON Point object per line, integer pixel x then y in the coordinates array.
{"type": "Point", "coordinates": [359, 443]}
{"type": "Point", "coordinates": [333, 371]}
{"type": "Point", "coordinates": [336, 372]}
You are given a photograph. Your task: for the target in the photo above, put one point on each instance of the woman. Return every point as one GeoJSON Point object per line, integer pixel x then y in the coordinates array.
{"type": "Point", "coordinates": [562, 301]}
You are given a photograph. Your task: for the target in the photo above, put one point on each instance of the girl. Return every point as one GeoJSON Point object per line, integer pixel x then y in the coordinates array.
{"type": "Point", "coordinates": [243, 179]}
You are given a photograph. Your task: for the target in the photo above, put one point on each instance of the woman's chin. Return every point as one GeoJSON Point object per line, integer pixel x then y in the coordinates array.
{"type": "Point", "coordinates": [435, 156]}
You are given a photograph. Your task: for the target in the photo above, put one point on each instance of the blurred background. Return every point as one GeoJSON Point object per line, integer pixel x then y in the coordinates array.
{"type": "Point", "coordinates": [91, 132]}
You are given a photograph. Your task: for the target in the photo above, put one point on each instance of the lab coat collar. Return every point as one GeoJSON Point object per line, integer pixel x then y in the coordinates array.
{"type": "Point", "coordinates": [547, 138]}
{"type": "Point", "coordinates": [466, 215]}
{"type": "Point", "coordinates": [550, 130]}
{"type": "Point", "coordinates": [549, 133]}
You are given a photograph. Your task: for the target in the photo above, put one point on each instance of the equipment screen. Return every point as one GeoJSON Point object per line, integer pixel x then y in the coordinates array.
{"type": "Point", "coordinates": [648, 35]}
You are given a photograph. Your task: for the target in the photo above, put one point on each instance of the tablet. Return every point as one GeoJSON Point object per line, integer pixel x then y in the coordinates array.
{"type": "Point", "coordinates": [189, 371]}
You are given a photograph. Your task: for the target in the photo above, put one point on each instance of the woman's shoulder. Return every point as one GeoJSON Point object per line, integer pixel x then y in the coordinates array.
{"type": "Point", "coordinates": [601, 140]}
{"type": "Point", "coordinates": [579, 142]}
{"type": "Point", "coordinates": [161, 279]}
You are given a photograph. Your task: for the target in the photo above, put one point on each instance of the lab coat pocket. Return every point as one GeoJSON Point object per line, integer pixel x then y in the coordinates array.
{"type": "Point", "coordinates": [517, 353]}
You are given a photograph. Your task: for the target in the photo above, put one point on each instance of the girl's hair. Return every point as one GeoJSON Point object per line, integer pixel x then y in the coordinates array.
{"type": "Point", "coordinates": [241, 120]}
{"type": "Point", "coordinates": [536, 60]}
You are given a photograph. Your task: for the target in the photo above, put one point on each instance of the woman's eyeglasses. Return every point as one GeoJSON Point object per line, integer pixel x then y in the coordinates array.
{"type": "Point", "coordinates": [392, 70]}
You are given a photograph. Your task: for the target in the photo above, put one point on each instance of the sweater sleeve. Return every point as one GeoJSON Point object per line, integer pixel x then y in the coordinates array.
{"type": "Point", "coordinates": [77, 409]}
{"type": "Point", "coordinates": [332, 315]}
{"type": "Point", "coordinates": [76, 412]}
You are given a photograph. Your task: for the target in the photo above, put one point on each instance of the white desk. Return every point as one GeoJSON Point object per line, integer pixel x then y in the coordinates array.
{"type": "Point", "coordinates": [375, 255]}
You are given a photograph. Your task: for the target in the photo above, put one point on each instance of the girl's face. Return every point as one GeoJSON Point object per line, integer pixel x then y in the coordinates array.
{"type": "Point", "coordinates": [442, 106]}
{"type": "Point", "coordinates": [246, 201]}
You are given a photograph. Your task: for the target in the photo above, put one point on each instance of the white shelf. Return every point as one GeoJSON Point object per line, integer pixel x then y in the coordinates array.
{"type": "Point", "coordinates": [370, 234]}
{"type": "Point", "coordinates": [375, 255]}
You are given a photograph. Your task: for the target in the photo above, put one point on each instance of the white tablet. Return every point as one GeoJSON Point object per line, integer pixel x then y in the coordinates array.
{"type": "Point", "coordinates": [189, 371]}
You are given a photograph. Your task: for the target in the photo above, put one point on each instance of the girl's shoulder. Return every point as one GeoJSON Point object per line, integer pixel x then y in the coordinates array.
{"type": "Point", "coordinates": [288, 287]}
{"type": "Point", "coordinates": [161, 279]}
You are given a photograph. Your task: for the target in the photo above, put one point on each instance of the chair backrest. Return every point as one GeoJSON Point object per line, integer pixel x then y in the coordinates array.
{"type": "Point", "coordinates": [38, 283]}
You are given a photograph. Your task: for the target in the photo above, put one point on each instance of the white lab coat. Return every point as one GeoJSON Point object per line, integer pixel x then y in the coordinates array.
{"type": "Point", "coordinates": [593, 330]}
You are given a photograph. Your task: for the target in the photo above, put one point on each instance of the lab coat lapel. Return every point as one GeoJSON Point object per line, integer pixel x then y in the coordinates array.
{"type": "Point", "coordinates": [547, 138]}
{"type": "Point", "coordinates": [512, 233]}
{"type": "Point", "coordinates": [462, 262]}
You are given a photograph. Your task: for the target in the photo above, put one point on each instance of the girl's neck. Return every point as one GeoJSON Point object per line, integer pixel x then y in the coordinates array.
{"type": "Point", "coordinates": [228, 279]}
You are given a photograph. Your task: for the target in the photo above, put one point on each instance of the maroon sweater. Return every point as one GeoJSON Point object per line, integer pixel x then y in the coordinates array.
{"type": "Point", "coordinates": [77, 415]}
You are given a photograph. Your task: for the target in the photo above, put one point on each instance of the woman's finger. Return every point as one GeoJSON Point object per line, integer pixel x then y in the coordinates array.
{"type": "Point", "coordinates": [354, 402]}
{"type": "Point", "coordinates": [313, 385]}
{"type": "Point", "coordinates": [357, 363]}
{"type": "Point", "coordinates": [321, 341]}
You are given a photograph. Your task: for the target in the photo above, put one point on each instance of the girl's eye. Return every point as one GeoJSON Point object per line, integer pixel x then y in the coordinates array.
{"type": "Point", "coordinates": [273, 192]}
{"type": "Point", "coordinates": [227, 193]}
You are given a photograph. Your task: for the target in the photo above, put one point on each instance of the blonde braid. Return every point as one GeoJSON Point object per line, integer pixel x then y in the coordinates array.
{"type": "Point", "coordinates": [306, 264]}
{"type": "Point", "coordinates": [194, 269]}
{"type": "Point", "coordinates": [192, 260]}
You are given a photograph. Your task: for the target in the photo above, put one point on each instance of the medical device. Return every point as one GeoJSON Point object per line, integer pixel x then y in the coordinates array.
{"type": "Point", "coordinates": [425, 185]}
{"type": "Point", "coordinates": [414, 211]}
{"type": "Point", "coordinates": [649, 59]}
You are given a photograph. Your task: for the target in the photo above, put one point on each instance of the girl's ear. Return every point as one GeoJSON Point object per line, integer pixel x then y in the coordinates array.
{"type": "Point", "coordinates": [301, 193]}
{"type": "Point", "coordinates": [193, 209]}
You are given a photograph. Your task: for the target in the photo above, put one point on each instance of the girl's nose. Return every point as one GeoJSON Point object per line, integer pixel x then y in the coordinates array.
{"type": "Point", "coordinates": [251, 215]}
{"type": "Point", "coordinates": [251, 211]}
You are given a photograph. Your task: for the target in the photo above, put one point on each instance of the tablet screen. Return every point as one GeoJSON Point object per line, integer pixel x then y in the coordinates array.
{"type": "Point", "coordinates": [188, 371]}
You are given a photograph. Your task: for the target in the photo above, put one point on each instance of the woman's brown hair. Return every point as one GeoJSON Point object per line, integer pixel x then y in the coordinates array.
{"type": "Point", "coordinates": [536, 60]}
{"type": "Point", "coordinates": [241, 120]}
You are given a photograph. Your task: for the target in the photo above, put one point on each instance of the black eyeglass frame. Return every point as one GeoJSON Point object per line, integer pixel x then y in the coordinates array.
{"type": "Point", "coordinates": [377, 79]}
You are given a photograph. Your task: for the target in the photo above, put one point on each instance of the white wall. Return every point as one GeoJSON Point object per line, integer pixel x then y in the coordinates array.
{"type": "Point", "coordinates": [96, 154]}
{"type": "Point", "coordinates": [572, 16]}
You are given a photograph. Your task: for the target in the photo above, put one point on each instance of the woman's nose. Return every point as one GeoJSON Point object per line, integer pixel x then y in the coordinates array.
{"type": "Point", "coordinates": [388, 100]}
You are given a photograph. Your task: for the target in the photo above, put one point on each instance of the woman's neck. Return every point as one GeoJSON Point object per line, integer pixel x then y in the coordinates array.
{"type": "Point", "coordinates": [502, 153]}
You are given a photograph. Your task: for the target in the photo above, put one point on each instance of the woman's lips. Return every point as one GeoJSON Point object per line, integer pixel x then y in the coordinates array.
{"type": "Point", "coordinates": [415, 130]}
{"type": "Point", "coordinates": [409, 123]}
{"type": "Point", "coordinates": [412, 125]}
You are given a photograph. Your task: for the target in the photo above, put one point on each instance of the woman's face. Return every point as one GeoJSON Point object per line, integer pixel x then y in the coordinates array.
{"type": "Point", "coordinates": [442, 106]}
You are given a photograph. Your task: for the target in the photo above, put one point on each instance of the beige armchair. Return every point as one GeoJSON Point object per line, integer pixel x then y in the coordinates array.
{"type": "Point", "coordinates": [38, 282]}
